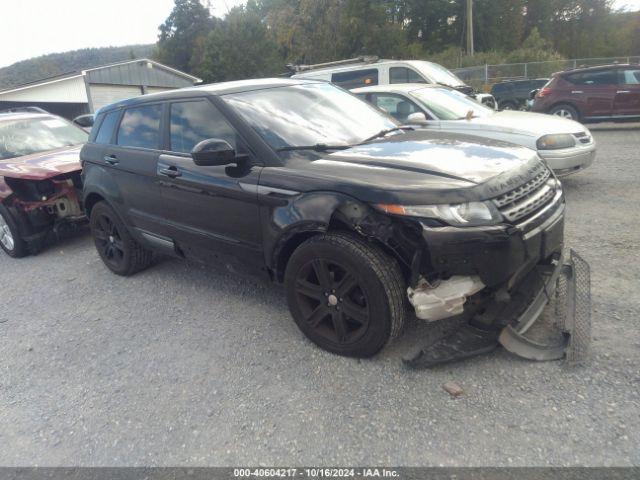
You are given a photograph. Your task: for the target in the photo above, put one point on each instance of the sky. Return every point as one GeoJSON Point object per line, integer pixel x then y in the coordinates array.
{"type": "Point", "coordinates": [36, 27]}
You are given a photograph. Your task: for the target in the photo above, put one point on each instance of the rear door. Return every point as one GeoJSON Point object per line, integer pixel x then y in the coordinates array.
{"type": "Point", "coordinates": [212, 212]}
{"type": "Point", "coordinates": [627, 100]}
{"type": "Point", "coordinates": [132, 160]}
{"type": "Point", "coordinates": [593, 91]}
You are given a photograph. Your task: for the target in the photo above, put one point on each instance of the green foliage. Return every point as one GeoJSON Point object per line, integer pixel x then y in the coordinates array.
{"type": "Point", "coordinates": [182, 35]}
{"type": "Point", "coordinates": [240, 47]}
{"type": "Point", "coordinates": [59, 63]}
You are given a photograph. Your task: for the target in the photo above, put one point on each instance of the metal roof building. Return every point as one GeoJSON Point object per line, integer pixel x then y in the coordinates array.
{"type": "Point", "coordinates": [87, 90]}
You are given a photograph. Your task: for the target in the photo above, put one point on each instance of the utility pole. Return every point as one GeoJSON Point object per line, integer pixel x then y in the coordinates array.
{"type": "Point", "coordinates": [470, 28]}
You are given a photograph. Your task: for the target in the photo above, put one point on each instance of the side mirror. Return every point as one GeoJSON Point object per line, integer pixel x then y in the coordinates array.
{"type": "Point", "coordinates": [212, 152]}
{"type": "Point", "coordinates": [417, 118]}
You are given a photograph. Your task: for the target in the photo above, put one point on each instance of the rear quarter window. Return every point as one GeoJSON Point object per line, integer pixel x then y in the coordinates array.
{"type": "Point", "coordinates": [356, 78]}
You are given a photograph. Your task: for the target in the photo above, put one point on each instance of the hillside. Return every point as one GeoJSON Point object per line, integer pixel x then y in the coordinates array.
{"type": "Point", "coordinates": [58, 63]}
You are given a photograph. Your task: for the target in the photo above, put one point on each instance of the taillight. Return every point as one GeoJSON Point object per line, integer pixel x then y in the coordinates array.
{"type": "Point", "coordinates": [544, 91]}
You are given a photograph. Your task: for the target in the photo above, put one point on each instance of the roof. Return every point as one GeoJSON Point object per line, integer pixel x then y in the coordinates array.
{"type": "Point", "coordinates": [82, 73]}
{"type": "Point", "coordinates": [600, 67]}
{"type": "Point", "coordinates": [223, 88]}
{"type": "Point", "coordinates": [360, 66]}
{"type": "Point", "coordinates": [399, 88]}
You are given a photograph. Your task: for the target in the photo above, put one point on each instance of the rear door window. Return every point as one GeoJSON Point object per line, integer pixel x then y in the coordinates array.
{"type": "Point", "coordinates": [140, 127]}
{"type": "Point", "coordinates": [108, 125]}
{"type": "Point", "coordinates": [194, 121]}
{"type": "Point", "coordinates": [598, 77]}
{"type": "Point", "coordinates": [404, 75]}
{"type": "Point", "coordinates": [356, 78]}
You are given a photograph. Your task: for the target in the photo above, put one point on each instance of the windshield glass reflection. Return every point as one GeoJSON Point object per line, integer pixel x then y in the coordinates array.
{"type": "Point", "coordinates": [309, 114]}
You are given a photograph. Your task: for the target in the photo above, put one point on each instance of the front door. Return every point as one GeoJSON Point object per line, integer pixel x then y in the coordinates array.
{"type": "Point", "coordinates": [212, 212]}
{"type": "Point", "coordinates": [594, 91]}
{"type": "Point", "coordinates": [627, 100]}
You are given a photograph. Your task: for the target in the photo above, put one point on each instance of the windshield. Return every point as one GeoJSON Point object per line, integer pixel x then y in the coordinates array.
{"type": "Point", "coordinates": [24, 136]}
{"type": "Point", "coordinates": [449, 104]}
{"type": "Point", "coordinates": [309, 114]}
{"type": "Point", "coordinates": [439, 74]}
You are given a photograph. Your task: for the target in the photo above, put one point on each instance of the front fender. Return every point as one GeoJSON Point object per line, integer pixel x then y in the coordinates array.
{"type": "Point", "coordinates": [303, 214]}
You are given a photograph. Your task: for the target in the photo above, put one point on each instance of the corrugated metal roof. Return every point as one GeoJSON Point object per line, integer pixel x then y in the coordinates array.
{"type": "Point", "coordinates": [141, 71]}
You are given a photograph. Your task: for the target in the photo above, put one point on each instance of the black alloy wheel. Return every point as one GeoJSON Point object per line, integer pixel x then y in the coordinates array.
{"type": "Point", "coordinates": [345, 294]}
{"type": "Point", "coordinates": [332, 301]}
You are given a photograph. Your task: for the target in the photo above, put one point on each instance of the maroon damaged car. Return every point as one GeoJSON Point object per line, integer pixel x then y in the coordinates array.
{"type": "Point", "coordinates": [40, 180]}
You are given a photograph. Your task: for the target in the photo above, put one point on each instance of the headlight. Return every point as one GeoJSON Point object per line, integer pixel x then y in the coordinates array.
{"type": "Point", "coordinates": [460, 215]}
{"type": "Point", "coordinates": [556, 141]}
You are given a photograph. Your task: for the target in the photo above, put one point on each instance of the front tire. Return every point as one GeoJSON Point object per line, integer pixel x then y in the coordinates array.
{"type": "Point", "coordinates": [565, 111]}
{"type": "Point", "coordinates": [10, 239]}
{"type": "Point", "coordinates": [346, 295]}
{"type": "Point", "coordinates": [116, 247]}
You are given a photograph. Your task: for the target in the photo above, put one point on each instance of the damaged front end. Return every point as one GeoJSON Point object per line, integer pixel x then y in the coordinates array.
{"type": "Point", "coordinates": [546, 316]}
{"type": "Point", "coordinates": [45, 205]}
{"type": "Point", "coordinates": [497, 278]}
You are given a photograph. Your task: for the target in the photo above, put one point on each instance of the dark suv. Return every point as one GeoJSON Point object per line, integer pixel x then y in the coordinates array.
{"type": "Point", "coordinates": [609, 92]}
{"type": "Point", "coordinates": [303, 183]}
{"type": "Point", "coordinates": [513, 94]}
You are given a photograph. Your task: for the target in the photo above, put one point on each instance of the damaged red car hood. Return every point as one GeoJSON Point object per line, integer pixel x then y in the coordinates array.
{"type": "Point", "coordinates": [40, 166]}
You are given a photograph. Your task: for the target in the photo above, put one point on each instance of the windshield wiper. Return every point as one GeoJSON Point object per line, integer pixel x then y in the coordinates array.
{"type": "Point", "coordinates": [383, 133]}
{"type": "Point", "coordinates": [318, 147]}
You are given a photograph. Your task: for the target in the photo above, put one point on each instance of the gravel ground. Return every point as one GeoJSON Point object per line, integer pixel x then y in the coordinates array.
{"type": "Point", "coordinates": [186, 365]}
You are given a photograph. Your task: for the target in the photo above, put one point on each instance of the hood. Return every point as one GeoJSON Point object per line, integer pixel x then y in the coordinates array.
{"type": "Point", "coordinates": [43, 165]}
{"type": "Point", "coordinates": [525, 123]}
{"type": "Point", "coordinates": [419, 167]}
{"type": "Point", "coordinates": [463, 158]}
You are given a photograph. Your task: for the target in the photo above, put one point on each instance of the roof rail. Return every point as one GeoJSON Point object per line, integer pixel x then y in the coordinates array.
{"type": "Point", "coordinates": [304, 68]}
{"type": "Point", "coordinates": [24, 110]}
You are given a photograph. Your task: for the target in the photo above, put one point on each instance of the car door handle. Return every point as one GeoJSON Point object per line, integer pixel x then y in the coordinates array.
{"type": "Point", "coordinates": [171, 172]}
{"type": "Point", "coordinates": [577, 91]}
{"type": "Point", "coordinates": [111, 159]}
{"type": "Point", "coordinates": [623, 91]}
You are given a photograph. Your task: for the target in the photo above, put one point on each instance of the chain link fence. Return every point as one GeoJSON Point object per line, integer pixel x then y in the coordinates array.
{"type": "Point", "coordinates": [483, 76]}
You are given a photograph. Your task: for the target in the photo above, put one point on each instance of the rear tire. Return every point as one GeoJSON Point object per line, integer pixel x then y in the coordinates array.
{"type": "Point", "coordinates": [565, 111]}
{"type": "Point", "coordinates": [346, 295]}
{"type": "Point", "coordinates": [116, 247]}
{"type": "Point", "coordinates": [508, 106]}
{"type": "Point", "coordinates": [10, 239]}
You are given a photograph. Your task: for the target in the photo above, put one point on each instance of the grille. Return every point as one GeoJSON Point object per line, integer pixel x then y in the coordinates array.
{"type": "Point", "coordinates": [528, 198]}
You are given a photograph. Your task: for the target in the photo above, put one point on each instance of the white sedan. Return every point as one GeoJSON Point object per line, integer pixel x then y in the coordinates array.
{"type": "Point", "coordinates": [567, 146]}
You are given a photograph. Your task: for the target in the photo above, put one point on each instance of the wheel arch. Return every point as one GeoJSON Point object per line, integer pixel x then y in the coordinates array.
{"type": "Point", "coordinates": [565, 102]}
{"type": "Point", "coordinates": [332, 212]}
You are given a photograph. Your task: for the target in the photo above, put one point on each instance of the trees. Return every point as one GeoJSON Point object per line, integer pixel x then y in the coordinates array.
{"type": "Point", "coordinates": [182, 35]}
{"type": "Point", "coordinates": [240, 47]}
{"type": "Point", "coordinates": [261, 37]}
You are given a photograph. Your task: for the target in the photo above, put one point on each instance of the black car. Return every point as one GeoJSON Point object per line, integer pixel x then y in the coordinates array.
{"type": "Point", "coordinates": [513, 94]}
{"type": "Point", "coordinates": [305, 184]}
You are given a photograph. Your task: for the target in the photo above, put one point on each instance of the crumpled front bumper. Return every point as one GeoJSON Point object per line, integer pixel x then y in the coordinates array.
{"type": "Point", "coordinates": [568, 324]}
{"type": "Point", "coordinates": [547, 317]}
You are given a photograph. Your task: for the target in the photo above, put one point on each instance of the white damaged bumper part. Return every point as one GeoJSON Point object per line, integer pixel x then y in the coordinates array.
{"type": "Point", "coordinates": [444, 299]}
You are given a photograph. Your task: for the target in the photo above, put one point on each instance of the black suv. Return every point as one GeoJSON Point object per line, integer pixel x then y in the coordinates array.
{"type": "Point", "coordinates": [306, 184]}
{"type": "Point", "coordinates": [513, 94]}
